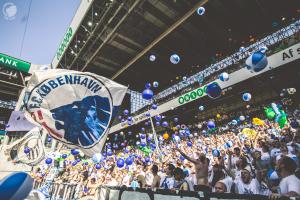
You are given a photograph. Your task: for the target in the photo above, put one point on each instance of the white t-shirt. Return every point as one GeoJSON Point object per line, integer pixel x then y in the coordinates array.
{"type": "Point", "coordinates": [289, 184]}
{"type": "Point", "coordinates": [167, 182]}
{"type": "Point", "coordinates": [275, 152]}
{"type": "Point", "coordinates": [251, 188]}
{"type": "Point", "coordinates": [149, 178]}
{"type": "Point", "coordinates": [265, 156]}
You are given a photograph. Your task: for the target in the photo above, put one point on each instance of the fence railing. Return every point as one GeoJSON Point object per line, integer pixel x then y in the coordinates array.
{"type": "Point", "coordinates": [66, 191]}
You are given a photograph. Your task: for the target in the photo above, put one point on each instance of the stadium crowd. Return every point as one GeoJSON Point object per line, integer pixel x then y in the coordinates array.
{"type": "Point", "coordinates": [246, 158]}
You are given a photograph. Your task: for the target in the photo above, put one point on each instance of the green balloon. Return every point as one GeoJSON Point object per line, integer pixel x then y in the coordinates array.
{"type": "Point", "coordinates": [270, 114]}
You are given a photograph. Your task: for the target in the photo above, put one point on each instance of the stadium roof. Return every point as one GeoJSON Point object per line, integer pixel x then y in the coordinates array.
{"type": "Point", "coordinates": [116, 38]}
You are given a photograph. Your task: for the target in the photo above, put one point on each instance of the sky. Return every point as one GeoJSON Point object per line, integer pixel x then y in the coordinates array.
{"type": "Point", "coordinates": [48, 21]}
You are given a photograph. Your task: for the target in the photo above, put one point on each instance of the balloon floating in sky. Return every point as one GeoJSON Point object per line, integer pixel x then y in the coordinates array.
{"type": "Point", "coordinates": [148, 85]}
{"type": "Point", "coordinates": [155, 84]}
{"type": "Point", "coordinates": [74, 152]}
{"type": "Point", "coordinates": [48, 161]}
{"type": "Point", "coordinates": [242, 118]}
{"type": "Point", "coordinates": [246, 96]}
{"type": "Point", "coordinates": [224, 76]}
{"type": "Point", "coordinates": [98, 166]}
{"type": "Point", "coordinates": [201, 11]}
{"type": "Point", "coordinates": [175, 59]}
{"type": "Point", "coordinates": [157, 117]}
{"type": "Point", "coordinates": [175, 119]}
{"type": "Point", "coordinates": [257, 61]}
{"type": "Point", "coordinates": [201, 108]}
{"type": "Point", "coordinates": [213, 90]}
{"type": "Point", "coordinates": [126, 112]}
{"type": "Point", "coordinates": [154, 106]}
{"type": "Point", "coordinates": [166, 136]}
{"type": "Point", "coordinates": [120, 162]}
{"type": "Point", "coordinates": [129, 160]}
{"type": "Point", "coordinates": [147, 94]}
{"type": "Point", "coordinates": [152, 58]}
{"type": "Point", "coordinates": [165, 124]}
{"type": "Point", "coordinates": [211, 124]}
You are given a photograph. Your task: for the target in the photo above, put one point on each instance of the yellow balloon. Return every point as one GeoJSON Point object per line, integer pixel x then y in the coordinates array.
{"type": "Point", "coordinates": [166, 136]}
{"type": "Point", "coordinates": [218, 116]}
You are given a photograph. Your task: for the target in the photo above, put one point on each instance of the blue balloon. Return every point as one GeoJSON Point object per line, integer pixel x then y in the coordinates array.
{"type": "Point", "coordinates": [49, 139]}
{"type": "Point", "coordinates": [181, 158]}
{"type": "Point", "coordinates": [149, 139]}
{"type": "Point", "coordinates": [148, 85]}
{"type": "Point", "coordinates": [143, 129]}
{"type": "Point", "coordinates": [120, 162]}
{"type": "Point", "coordinates": [147, 94]}
{"type": "Point", "coordinates": [143, 136]}
{"type": "Point", "coordinates": [147, 159]}
{"type": "Point", "coordinates": [211, 124]}
{"type": "Point", "coordinates": [201, 11]}
{"type": "Point", "coordinates": [152, 58]}
{"type": "Point", "coordinates": [109, 153]}
{"type": "Point", "coordinates": [157, 117]}
{"type": "Point", "coordinates": [143, 144]}
{"type": "Point", "coordinates": [257, 61]}
{"type": "Point", "coordinates": [175, 119]}
{"type": "Point", "coordinates": [129, 118]}
{"type": "Point", "coordinates": [74, 163]}
{"type": "Point", "coordinates": [74, 152]}
{"type": "Point", "coordinates": [126, 112]}
{"type": "Point", "coordinates": [104, 154]}
{"type": "Point", "coordinates": [26, 150]}
{"type": "Point", "coordinates": [165, 124]}
{"type": "Point", "coordinates": [64, 156]}
{"type": "Point", "coordinates": [201, 108]}
{"type": "Point", "coordinates": [213, 90]}
{"type": "Point", "coordinates": [148, 114]}
{"type": "Point", "coordinates": [48, 161]}
{"type": "Point", "coordinates": [224, 76]}
{"type": "Point", "coordinates": [157, 123]}
{"type": "Point", "coordinates": [246, 96]}
{"type": "Point", "coordinates": [175, 59]}
{"type": "Point", "coordinates": [189, 143]}
{"type": "Point", "coordinates": [16, 186]}
{"type": "Point", "coordinates": [98, 166]}
{"type": "Point", "coordinates": [154, 106]}
{"type": "Point", "coordinates": [155, 84]}
{"type": "Point", "coordinates": [129, 160]}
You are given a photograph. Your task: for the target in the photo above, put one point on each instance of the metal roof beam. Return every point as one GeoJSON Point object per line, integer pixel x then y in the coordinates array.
{"type": "Point", "coordinates": [109, 35]}
{"type": "Point", "coordinates": [162, 36]}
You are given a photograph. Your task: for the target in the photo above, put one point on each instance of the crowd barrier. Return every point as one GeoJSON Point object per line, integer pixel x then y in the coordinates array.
{"type": "Point", "coordinates": [65, 191]}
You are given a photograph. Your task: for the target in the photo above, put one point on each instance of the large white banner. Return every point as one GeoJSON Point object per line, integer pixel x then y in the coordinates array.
{"type": "Point", "coordinates": [276, 60]}
{"type": "Point", "coordinates": [75, 108]}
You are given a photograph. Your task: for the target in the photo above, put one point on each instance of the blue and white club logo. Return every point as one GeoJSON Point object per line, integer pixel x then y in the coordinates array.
{"type": "Point", "coordinates": [9, 10]}
{"type": "Point", "coordinates": [75, 108]}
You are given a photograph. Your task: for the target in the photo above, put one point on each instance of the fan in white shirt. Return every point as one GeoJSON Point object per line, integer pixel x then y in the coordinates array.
{"type": "Point", "coordinates": [289, 185]}
{"type": "Point", "coordinates": [246, 184]}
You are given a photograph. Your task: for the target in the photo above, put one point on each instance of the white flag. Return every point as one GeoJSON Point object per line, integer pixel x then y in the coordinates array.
{"type": "Point", "coordinates": [75, 108]}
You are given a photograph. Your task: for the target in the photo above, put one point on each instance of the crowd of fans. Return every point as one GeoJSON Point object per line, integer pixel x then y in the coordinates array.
{"type": "Point", "coordinates": [263, 161]}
